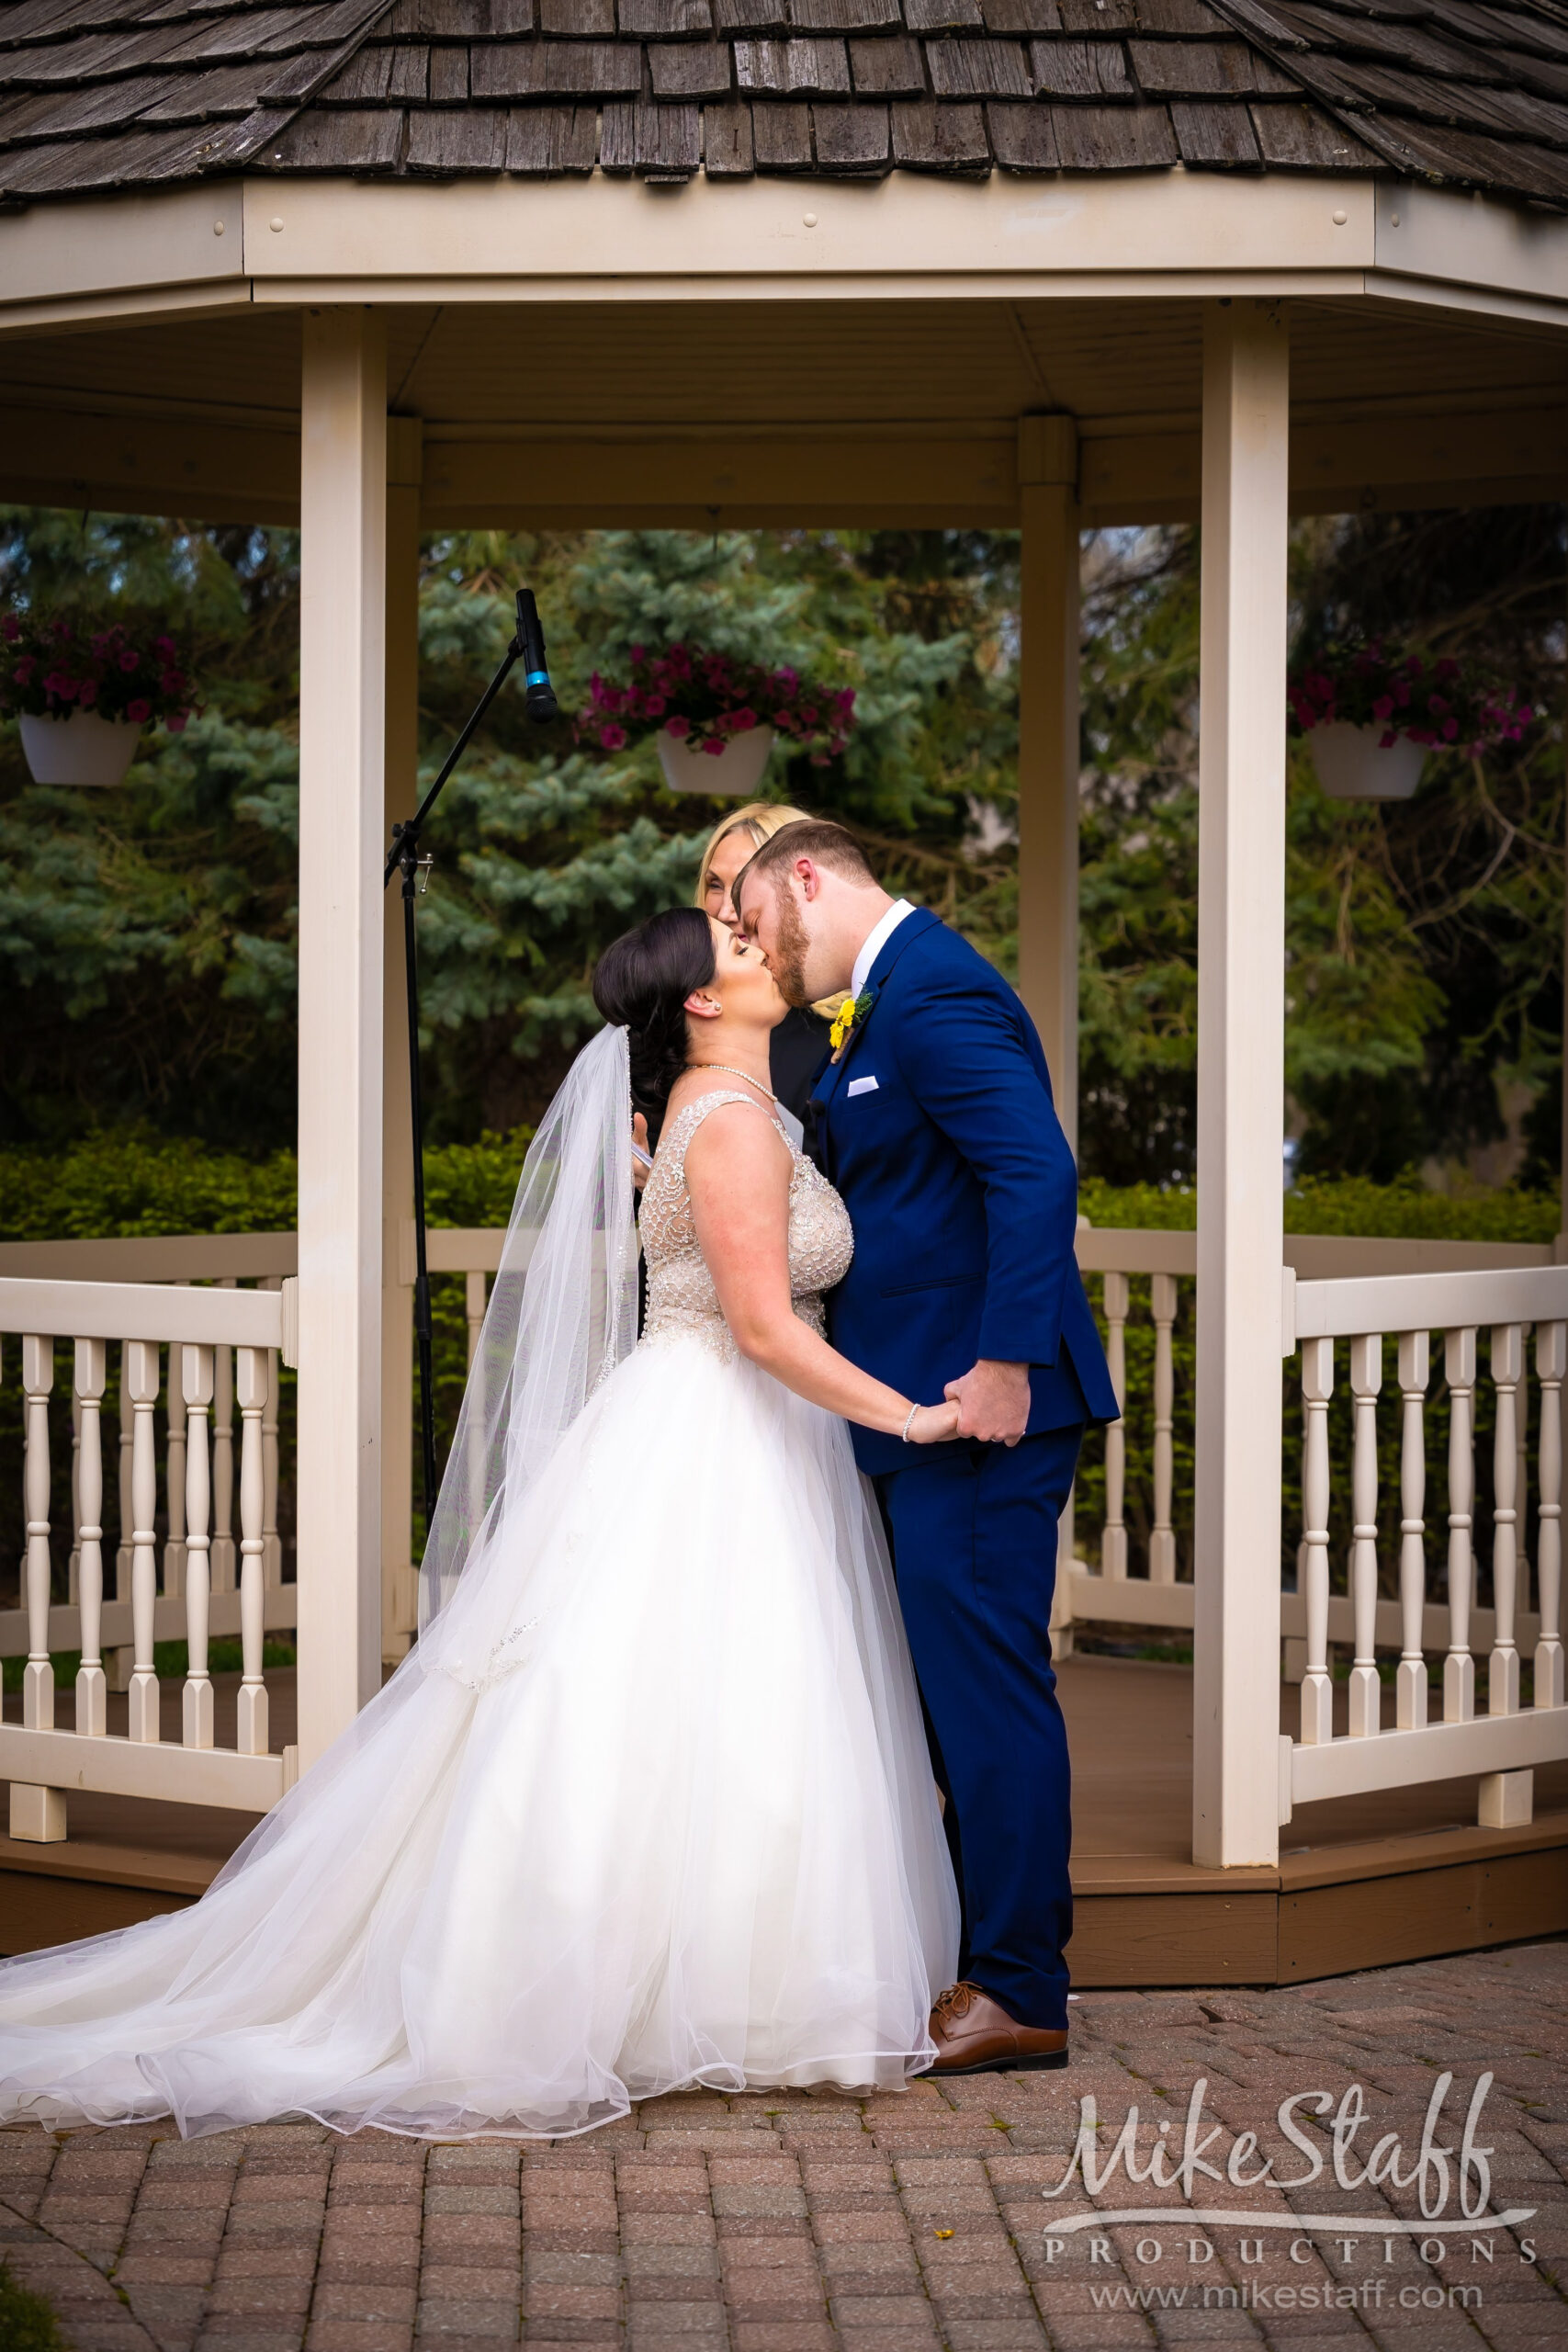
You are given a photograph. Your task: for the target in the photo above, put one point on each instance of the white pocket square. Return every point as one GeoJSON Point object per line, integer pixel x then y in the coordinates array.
{"type": "Point", "coordinates": [862, 1086]}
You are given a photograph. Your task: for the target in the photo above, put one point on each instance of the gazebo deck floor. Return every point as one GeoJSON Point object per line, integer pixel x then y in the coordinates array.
{"type": "Point", "coordinates": [1364, 1881]}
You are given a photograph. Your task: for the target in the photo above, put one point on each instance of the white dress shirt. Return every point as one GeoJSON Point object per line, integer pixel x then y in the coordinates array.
{"type": "Point", "coordinates": [875, 942]}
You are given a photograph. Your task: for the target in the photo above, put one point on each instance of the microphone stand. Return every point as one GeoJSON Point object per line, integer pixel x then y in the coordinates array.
{"type": "Point", "coordinates": [527, 646]}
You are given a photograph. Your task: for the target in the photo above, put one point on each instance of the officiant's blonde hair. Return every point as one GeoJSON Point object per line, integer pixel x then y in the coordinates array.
{"type": "Point", "coordinates": [758, 821]}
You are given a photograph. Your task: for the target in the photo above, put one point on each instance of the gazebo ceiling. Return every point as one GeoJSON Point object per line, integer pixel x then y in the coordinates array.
{"type": "Point", "coordinates": [561, 369]}
{"type": "Point", "coordinates": [97, 95]}
{"type": "Point", "coordinates": [802, 412]}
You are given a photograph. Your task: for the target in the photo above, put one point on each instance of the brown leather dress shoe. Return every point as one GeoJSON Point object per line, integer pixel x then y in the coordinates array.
{"type": "Point", "coordinates": [974, 2035]}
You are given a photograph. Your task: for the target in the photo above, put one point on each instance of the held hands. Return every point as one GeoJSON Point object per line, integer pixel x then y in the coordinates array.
{"type": "Point", "coordinates": [992, 1402]}
{"type": "Point", "coordinates": [932, 1423]}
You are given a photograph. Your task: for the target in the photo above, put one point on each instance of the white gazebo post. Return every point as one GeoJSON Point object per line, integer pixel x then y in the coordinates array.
{"type": "Point", "coordinates": [343, 509]}
{"type": "Point", "coordinates": [1048, 748]}
{"type": "Point", "coordinates": [405, 453]}
{"type": "Point", "coordinates": [1241, 1021]}
{"type": "Point", "coordinates": [1048, 795]}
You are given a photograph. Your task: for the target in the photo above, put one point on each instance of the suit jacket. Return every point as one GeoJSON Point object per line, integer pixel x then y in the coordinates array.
{"type": "Point", "coordinates": [938, 1129]}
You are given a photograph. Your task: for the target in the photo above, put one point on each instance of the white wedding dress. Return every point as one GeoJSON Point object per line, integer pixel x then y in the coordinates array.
{"type": "Point", "coordinates": [648, 1807]}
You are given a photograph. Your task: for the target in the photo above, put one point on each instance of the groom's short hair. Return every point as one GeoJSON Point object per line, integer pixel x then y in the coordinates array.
{"type": "Point", "coordinates": [817, 838]}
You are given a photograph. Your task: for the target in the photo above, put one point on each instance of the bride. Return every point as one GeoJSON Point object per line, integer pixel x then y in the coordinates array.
{"type": "Point", "coordinates": [648, 1806]}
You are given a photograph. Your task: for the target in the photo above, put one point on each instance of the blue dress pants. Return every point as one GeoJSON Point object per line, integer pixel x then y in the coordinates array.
{"type": "Point", "coordinates": [973, 1530]}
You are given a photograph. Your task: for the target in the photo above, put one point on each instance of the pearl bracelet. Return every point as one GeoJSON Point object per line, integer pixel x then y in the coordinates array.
{"type": "Point", "coordinates": [908, 1424]}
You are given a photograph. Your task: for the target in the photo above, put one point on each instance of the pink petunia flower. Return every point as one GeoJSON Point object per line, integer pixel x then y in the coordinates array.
{"type": "Point", "coordinates": [129, 660]}
{"type": "Point", "coordinates": [612, 738]}
{"type": "Point", "coordinates": [654, 706]}
{"type": "Point", "coordinates": [178, 721]}
{"type": "Point", "coordinates": [141, 710]}
{"type": "Point", "coordinates": [714, 747]}
{"type": "Point", "coordinates": [741, 722]}
{"type": "Point", "coordinates": [678, 727]}
{"type": "Point", "coordinates": [89, 695]}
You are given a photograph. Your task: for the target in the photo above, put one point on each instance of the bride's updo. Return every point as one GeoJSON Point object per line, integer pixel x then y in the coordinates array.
{"type": "Point", "coordinates": [643, 979]}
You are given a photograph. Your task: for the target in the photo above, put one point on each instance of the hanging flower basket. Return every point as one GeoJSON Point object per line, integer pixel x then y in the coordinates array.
{"type": "Point", "coordinates": [81, 749]}
{"type": "Point", "coordinates": [715, 720]}
{"type": "Point", "coordinates": [1356, 763]}
{"type": "Point", "coordinates": [1371, 715]}
{"type": "Point", "coordinates": [732, 770]}
{"type": "Point", "coordinates": [82, 696]}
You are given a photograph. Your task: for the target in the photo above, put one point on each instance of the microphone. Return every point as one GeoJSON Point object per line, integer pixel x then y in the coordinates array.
{"type": "Point", "coordinates": [539, 693]}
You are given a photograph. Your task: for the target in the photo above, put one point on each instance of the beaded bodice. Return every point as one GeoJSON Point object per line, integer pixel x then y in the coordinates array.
{"type": "Point", "coordinates": [681, 1299]}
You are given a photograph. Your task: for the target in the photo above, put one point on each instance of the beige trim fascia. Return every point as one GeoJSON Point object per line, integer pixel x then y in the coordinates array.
{"type": "Point", "coordinates": [1386, 291]}
{"type": "Point", "coordinates": [1451, 240]}
{"type": "Point", "coordinates": [1275, 286]}
{"type": "Point", "coordinates": [181, 237]}
{"type": "Point", "coordinates": [489, 240]}
{"type": "Point", "coordinates": [137, 307]}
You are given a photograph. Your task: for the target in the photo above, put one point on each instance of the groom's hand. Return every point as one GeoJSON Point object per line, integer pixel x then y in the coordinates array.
{"type": "Point", "coordinates": [992, 1401]}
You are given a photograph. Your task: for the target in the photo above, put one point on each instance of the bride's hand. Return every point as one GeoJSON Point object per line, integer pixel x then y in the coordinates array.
{"type": "Point", "coordinates": [641, 1169]}
{"type": "Point", "coordinates": [932, 1423]}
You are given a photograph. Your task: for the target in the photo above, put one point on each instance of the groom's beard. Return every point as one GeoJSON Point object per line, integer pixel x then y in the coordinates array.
{"type": "Point", "coordinates": [786, 961]}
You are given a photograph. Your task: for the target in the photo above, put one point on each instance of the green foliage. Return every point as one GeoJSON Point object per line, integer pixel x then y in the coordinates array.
{"type": "Point", "coordinates": [147, 937]}
{"type": "Point", "coordinates": [27, 2322]}
{"type": "Point", "coordinates": [1345, 1204]}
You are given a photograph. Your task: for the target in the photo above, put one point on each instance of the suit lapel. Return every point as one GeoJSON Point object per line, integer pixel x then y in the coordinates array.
{"type": "Point", "coordinates": [909, 930]}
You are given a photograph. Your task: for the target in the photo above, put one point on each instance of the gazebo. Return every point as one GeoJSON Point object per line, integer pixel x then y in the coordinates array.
{"type": "Point", "coordinates": [384, 266]}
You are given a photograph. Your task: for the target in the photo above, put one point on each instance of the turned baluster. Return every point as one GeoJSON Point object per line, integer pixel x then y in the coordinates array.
{"type": "Point", "coordinates": [272, 1548]}
{"type": "Point", "coordinates": [127, 1516]}
{"type": "Point", "coordinates": [175, 1481]}
{"type": "Point", "coordinates": [223, 1555]}
{"type": "Point", "coordinates": [1503, 1670]}
{"type": "Point", "coordinates": [37, 1675]}
{"type": "Point", "coordinates": [1317, 1691]}
{"type": "Point", "coordinates": [1162, 1536]}
{"type": "Point", "coordinates": [92, 1684]}
{"type": "Point", "coordinates": [139, 1373]}
{"type": "Point", "coordinates": [1458, 1666]}
{"type": "Point", "coordinates": [1113, 1542]}
{"type": "Point", "coordinates": [252, 1391]}
{"type": "Point", "coordinates": [1550, 1367]}
{"type": "Point", "coordinates": [1415, 1370]}
{"type": "Point", "coordinates": [73, 1567]}
{"type": "Point", "coordinates": [1522, 1475]}
{"type": "Point", "coordinates": [37, 1814]}
{"type": "Point", "coordinates": [195, 1386]}
{"type": "Point", "coordinates": [1366, 1381]}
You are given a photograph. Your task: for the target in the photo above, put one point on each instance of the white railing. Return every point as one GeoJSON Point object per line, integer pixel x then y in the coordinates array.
{"type": "Point", "coordinates": [1149, 1591]}
{"type": "Point", "coordinates": [1125, 1591]}
{"type": "Point", "coordinates": [254, 1329]}
{"type": "Point", "coordinates": [1505, 1743]}
{"type": "Point", "coordinates": [227, 1258]}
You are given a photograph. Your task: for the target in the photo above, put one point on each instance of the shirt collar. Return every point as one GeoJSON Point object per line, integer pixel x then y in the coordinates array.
{"type": "Point", "coordinates": [876, 942]}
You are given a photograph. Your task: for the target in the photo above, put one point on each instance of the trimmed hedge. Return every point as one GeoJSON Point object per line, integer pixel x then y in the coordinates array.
{"type": "Point", "coordinates": [128, 1184]}
{"type": "Point", "coordinates": [133, 1182]}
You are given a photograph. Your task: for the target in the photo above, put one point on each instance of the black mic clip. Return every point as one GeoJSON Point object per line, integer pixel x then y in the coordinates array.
{"type": "Point", "coordinates": [537, 691]}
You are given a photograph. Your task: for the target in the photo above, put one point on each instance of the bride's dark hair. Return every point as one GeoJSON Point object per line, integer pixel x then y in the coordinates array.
{"type": "Point", "coordinates": [643, 979]}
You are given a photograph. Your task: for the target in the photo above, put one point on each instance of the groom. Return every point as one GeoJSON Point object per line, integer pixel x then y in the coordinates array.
{"type": "Point", "coordinates": [934, 1120]}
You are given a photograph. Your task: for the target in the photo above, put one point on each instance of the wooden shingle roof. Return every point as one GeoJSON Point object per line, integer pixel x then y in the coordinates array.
{"type": "Point", "coordinates": [103, 95]}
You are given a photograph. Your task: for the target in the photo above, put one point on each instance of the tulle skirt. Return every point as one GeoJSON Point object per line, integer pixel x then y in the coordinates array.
{"type": "Point", "coordinates": [649, 1806]}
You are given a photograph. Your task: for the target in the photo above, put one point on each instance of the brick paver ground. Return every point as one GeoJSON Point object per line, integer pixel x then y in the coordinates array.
{"type": "Point", "coordinates": [786, 2223]}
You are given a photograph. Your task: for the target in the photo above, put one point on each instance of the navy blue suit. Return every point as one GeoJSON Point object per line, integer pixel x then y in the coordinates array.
{"type": "Point", "coordinates": [937, 1127]}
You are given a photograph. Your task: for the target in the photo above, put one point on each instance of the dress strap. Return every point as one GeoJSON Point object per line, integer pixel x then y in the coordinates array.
{"type": "Point", "coordinates": [679, 1130]}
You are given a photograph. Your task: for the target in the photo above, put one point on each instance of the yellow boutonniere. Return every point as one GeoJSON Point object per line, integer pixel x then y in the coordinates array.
{"type": "Point", "coordinates": [849, 1014]}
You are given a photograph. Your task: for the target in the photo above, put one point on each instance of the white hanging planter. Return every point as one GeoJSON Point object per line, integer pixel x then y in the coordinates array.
{"type": "Point", "coordinates": [733, 774]}
{"type": "Point", "coordinates": [82, 749]}
{"type": "Point", "coordinates": [1352, 764]}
